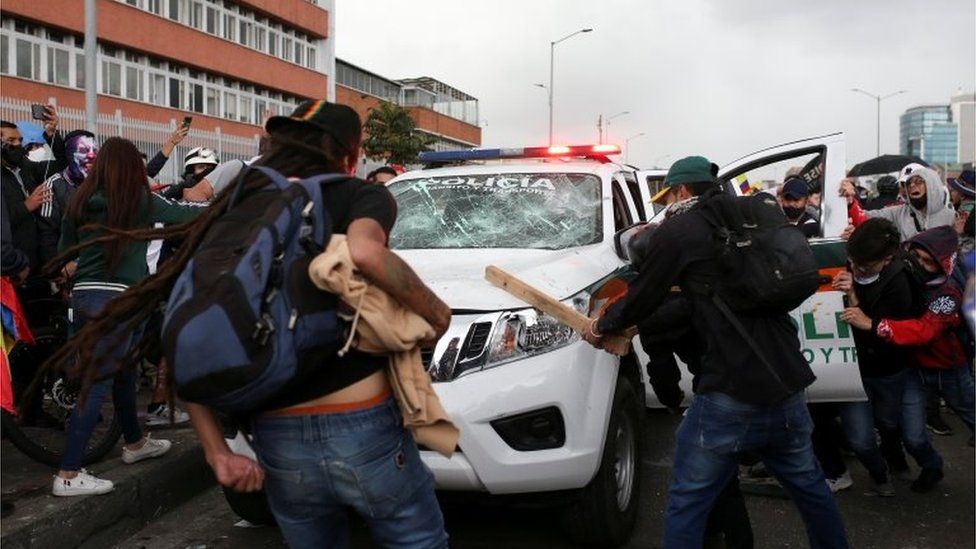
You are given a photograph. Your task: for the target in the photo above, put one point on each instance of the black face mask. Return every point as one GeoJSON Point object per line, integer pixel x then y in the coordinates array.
{"type": "Point", "coordinates": [13, 155]}
{"type": "Point", "coordinates": [793, 213]}
{"type": "Point", "coordinates": [918, 203]}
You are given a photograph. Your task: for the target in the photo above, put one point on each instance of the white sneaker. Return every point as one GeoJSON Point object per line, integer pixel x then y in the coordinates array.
{"type": "Point", "coordinates": [160, 418]}
{"type": "Point", "coordinates": [82, 485]}
{"type": "Point", "coordinates": [842, 482]}
{"type": "Point", "coordinates": [150, 449]}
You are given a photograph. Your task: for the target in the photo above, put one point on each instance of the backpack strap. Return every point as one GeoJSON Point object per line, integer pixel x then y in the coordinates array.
{"type": "Point", "coordinates": [744, 334]}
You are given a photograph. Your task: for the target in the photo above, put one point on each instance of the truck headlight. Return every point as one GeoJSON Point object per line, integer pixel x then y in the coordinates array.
{"type": "Point", "coordinates": [527, 332]}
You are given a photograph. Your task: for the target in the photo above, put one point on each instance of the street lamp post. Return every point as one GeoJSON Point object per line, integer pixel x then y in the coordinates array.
{"type": "Point", "coordinates": [878, 99]}
{"type": "Point", "coordinates": [627, 146]}
{"type": "Point", "coordinates": [552, 50]}
{"type": "Point", "coordinates": [602, 122]}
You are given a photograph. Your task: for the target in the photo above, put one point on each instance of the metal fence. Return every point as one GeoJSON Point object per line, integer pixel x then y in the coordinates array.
{"type": "Point", "coordinates": [148, 136]}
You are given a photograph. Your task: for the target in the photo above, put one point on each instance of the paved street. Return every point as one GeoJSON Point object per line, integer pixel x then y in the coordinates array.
{"type": "Point", "coordinates": [941, 519]}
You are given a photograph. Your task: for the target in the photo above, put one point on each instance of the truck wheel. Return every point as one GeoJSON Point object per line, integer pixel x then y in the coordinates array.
{"type": "Point", "coordinates": [605, 513]}
{"type": "Point", "coordinates": [250, 506]}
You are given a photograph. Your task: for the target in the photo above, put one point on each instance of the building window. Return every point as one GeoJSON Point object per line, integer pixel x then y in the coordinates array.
{"type": "Point", "coordinates": [244, 36]}
{"type": "Point", "coordinates": [174, 10]}
{"type": "Point", "coordinates": [4, 54]}
{"type": "Point", "coordinates": [111, 78]}
{"type": "Point", "coordinates": [157, 89]}
{"type": "Point", "coordinates": [196, 15]}
{"type": "Point", "coordinates": [311, 58]}
{"type": "Point", "coordinates": [28, 60]}
{"type": "Point", "coordinates": [213, 102]}
{"type": "Point", "coordinates": [286, 48]}
{"type": "Point", "coordinates": [133, 83]}
{"type": "Point", "coordinates": [175, 93]}
{"type": "Point", "coordinates": [155, 6]}
{"type": "Point", "coordinates": [79, 70]}
{"type": "Point", "coordinates": [246, 104]}
{"type": "Point", "coordinates": [230, 27]}
{"type": "Point", "coordinates": [212, 20]}
{"type": "Point", "coordinates": [58, 70]}
{"type": "Point", "coordinates": [196, 97]}
{"type": "Point", "coordinates": [230, 106]}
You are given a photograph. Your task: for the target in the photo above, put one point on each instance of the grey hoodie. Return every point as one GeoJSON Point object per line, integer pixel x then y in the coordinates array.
{"type": "Point", "coordinates": [911, 221]}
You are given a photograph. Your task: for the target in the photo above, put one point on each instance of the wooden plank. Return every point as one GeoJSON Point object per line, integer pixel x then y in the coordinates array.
{"type": "Point", "coordinates": [618, 345]}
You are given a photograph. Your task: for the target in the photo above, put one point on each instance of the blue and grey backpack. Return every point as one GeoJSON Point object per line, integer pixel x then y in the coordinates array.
{"type": "Point", "coordinates": [244, 323]}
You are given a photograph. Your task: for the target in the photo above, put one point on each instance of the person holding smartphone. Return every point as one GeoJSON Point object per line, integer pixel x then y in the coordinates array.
{"type": "Point", "coordinates": [154, 166]}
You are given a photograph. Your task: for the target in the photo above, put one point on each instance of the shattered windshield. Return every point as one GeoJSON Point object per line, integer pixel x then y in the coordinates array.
{"type": "Point", "coordinates": [547, 211]}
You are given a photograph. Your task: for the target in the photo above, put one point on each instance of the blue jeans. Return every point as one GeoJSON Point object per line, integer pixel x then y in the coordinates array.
{"type": "Point", "coordinates": [317, 465]}
{"type": "Point", "coordinates": [955, 386]}
{"type": "Point", "coordinates": [86, 304]}
{"type": "Point", "coordinates": [715, 429]}
{"type": "Point", "coordinates": [883, 410]}
{"type": "Point", "coordinates": [915, 437]}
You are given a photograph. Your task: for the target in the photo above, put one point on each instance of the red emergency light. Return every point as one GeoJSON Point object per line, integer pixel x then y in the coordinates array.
{"type": "Point", "coordinates": [598, 151]}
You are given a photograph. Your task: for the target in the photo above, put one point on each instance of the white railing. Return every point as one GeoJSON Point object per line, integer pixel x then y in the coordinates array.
{"type": "Point", "coordinates": [148, 136]}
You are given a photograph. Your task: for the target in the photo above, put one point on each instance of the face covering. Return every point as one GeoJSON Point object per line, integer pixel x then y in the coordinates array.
{"type": "Point", "coordinates": [793, 213]}
{"type": "Point", "coordinates": [867, 280]}
{"type": "Point", "coordinates": [81, 152]}
{"type": "Point", "coordinates": [918, 203]}
{"type": "Point", "coordinates": [13, 155]}
{"type": "Point", "coordinates": [40, 154]}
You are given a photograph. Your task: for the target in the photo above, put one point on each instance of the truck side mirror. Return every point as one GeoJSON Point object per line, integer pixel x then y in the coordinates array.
{"type": "Point", "coordinates": [623, 238]}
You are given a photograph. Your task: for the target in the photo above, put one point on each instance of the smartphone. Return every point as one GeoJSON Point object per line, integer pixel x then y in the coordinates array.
{"type": "Point", "coordinates": [187, 120]}
{"type": "Point", "coordinates": [38, 112]}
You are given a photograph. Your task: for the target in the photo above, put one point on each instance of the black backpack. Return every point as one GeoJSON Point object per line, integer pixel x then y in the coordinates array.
{"type": "Point", "coordinates": [765, 263]}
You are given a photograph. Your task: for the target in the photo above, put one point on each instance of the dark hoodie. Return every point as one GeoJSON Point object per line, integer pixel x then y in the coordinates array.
{"type": "Point", "coordinates": [892, 295]}
{"type": "Point", "coordinates": [933, 334]}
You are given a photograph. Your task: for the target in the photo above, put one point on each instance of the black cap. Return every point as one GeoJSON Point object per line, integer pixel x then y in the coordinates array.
{"type": "Point", "coordinates": [795, 187]}
{"type": "Point", "coordinates": [339, 121]}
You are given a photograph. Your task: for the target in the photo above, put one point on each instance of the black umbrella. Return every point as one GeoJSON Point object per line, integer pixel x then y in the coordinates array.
{"type": "Point", "coordinates": [886, 163]}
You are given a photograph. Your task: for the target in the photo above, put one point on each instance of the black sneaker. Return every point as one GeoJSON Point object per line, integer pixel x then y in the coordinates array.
{"type": "Point", "coordinates": [927, 480]}
{"type": "Point", "coordinates": [937, 425]}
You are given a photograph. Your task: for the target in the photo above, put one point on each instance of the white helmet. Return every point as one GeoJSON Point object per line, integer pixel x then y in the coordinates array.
{"type": "Point", "coordinates": [200, 155]}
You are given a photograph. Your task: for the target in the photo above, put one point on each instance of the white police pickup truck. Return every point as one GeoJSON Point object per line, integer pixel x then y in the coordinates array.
{"type": "Point", "coordinates": [539, 409]}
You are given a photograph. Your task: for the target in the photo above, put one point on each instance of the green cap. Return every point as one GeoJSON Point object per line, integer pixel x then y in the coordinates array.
{"type": "Point", "coordinates": [691, 169]}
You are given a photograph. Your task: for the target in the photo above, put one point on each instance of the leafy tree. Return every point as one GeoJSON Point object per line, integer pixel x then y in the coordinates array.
{"type": "Point", "coordinates": [391, 134]}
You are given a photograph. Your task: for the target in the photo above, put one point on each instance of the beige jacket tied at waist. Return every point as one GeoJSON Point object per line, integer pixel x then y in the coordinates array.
{"type": "Point", "coordinates": [384, 326]}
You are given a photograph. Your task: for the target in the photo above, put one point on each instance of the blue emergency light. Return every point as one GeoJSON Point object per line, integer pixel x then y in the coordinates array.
{"type": "Point", "coordinates": [556, 151]}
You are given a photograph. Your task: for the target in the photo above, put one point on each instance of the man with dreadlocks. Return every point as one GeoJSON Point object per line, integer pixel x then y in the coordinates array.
{"type": "Point", "coordinates": [343, 414]}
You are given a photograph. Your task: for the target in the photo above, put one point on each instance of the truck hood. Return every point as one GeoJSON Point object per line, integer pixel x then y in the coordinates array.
{"type": "Point", "coordinates": [458, 276]}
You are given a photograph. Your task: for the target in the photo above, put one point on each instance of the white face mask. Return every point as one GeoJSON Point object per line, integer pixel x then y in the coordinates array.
{"type": "Point", "coordinates": [40, 154]}
{"type": "Point", "coordinates": [868, 280]}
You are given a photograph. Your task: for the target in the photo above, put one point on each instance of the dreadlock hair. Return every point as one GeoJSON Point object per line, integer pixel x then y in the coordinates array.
{"type": "Point", "coordinates": [296, 149]}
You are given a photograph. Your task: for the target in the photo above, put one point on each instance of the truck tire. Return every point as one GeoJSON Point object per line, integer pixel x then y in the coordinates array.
{"type": "Point", "coordinates": [605, 513]}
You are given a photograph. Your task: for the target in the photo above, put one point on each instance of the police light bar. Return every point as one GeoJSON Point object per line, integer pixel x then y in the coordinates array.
{"type": "Point", "coordinates": [524, 152]}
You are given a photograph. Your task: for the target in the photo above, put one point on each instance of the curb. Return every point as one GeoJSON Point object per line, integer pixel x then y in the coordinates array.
{"type": "Point", "coordinates": [142, 493]}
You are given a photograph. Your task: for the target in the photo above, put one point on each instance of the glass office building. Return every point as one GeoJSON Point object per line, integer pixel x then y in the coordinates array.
{"type": "Point", "coordinates": [929, 133]}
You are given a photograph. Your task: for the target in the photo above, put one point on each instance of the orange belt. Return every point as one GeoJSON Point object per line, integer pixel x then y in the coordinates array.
{"type": "Point", "coordinates": [332, 408]}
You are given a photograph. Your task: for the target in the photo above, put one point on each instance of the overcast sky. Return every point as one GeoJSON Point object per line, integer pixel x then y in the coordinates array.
{"type": "Point", "coordinates": [721, 78]}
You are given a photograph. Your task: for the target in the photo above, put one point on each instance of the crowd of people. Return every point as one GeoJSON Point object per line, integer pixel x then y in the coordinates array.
{"type": "Point", "coordinates": [89, 218]}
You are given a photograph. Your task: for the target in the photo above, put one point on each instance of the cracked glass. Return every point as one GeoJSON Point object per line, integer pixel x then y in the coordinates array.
{"type": "Point", "coordinates": [547, 211]}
